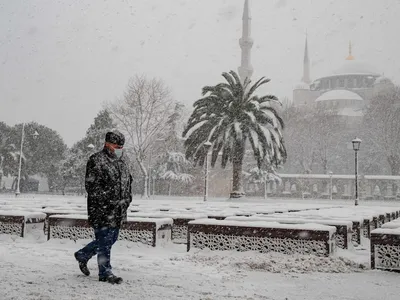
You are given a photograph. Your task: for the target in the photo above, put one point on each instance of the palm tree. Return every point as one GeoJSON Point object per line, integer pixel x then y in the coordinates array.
{"type": "Point", "coordinates": [229, 115]}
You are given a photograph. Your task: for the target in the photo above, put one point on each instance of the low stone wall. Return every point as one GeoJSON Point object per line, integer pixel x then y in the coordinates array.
{"type": "Point", "coordinates": [263, 237]}
{"type": "Point", "coordinates": [17, 222]}
{"type": "Point", "coordinates": [180, 223]}
{"type": "Point", "coordinates": [147, 231]}
{"type": "Point", "coordinates": [343, 228]}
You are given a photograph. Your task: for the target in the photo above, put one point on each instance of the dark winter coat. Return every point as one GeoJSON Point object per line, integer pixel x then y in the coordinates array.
{"type": "Point", "coordinates": [108, 183]}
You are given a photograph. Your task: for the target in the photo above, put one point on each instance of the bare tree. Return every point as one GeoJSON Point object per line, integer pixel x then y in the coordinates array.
{"type": "Point", "coordinates": [329, 140]}
{"type": "Point", "coordinates": [300, 136]}
{"type": "Point", "coordinates": [141, 114]}
{"type": "Point", "coordinates": [313, 137]}
{"type": "Point", "coordinates": [382, 126]}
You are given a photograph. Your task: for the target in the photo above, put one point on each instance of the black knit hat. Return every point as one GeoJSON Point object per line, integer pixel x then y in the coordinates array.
{"type": "Point", "coordinates": [115, 137]}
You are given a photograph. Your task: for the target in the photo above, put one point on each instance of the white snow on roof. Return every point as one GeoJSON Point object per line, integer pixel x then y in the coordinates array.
{"type": "Point", "coordinates": [339, 95]}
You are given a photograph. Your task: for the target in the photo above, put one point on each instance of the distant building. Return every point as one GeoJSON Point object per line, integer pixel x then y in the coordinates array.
{"type": "Point", "coordinates": [347, 89]}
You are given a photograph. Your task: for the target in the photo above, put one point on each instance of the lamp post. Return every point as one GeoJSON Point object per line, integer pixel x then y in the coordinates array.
{"type": "Point", "coordinates": [330, 185]}
{"type": "Point", "coordinates": [356, 147]}
{"type": "Point", "coordinates": [35, 135]}
{"type": "Point", "coordinates": [207, 146]}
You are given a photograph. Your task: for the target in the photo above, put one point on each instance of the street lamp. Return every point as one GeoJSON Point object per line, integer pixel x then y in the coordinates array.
{"type": "Point", "coordinates": [330, 185]}
{"type": "Point", "coordinates": [35, 135]}
{"type": "Point", "coordinates": [207, 146]}
{"type": "Point", "coordinates": [356, 147]}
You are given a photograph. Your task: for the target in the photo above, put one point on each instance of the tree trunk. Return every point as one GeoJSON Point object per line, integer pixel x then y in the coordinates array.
{"type": "Point", "coordinates": [237, 162]}
{"type": "Point", "coordinates": [169, 188]}
{"type": "Point", "coordinates": [145, 176]}
{"type": "Point", "coordinates": [394, 163]}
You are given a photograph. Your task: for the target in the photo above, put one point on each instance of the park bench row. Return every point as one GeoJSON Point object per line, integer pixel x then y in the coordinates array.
{"type": "Point", "coordinates": [269, 232]}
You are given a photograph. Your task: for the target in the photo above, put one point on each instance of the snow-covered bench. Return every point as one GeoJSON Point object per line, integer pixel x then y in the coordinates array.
{"type": "Point", "coordinates": [18, 222]}
{"type": "Point", "coordinates": [343, 228]}
{"type": "Point", "coordinates": [385, 247]}
{"type": "Point", "coordinates": [59, 211]}
{"type": "Point", "coordinates": [262, 236]}
{"type": "Point", "coordinates": [180, 222]}
{"type": "Point", "coordinates": [357, 227]}
{"type": "Point", "coordinates": [364, 219]}
{"type": "Point", "coordinates": [149, 231]}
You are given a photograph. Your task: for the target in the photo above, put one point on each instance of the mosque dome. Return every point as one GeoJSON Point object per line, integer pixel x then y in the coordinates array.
{"type": "Point", "coordinates": [351, 66]}
{"type": "Point", "coordinates": [339, 95]}
{"type": "Point", "coordinates": [355, 67]}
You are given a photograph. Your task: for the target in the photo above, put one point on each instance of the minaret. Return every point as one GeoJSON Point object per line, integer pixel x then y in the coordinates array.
{"type": "Point", "coordinates": [246, 42]}
{"type": "Point", "coordinates": [306, 65]}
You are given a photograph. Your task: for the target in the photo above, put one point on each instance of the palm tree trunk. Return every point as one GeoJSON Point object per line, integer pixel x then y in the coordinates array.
{"type": "Point", "coordinates": [237, 162]}
{"type": "Point", "coordinates": [237, 191]}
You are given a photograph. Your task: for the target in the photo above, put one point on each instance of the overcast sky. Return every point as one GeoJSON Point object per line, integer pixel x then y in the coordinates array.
{"type": "Point", "coordinates": [60, 60]}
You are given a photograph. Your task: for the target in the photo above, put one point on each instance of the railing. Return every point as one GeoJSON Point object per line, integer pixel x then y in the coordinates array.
{"type": "Point", "coordinates": [376, 187]}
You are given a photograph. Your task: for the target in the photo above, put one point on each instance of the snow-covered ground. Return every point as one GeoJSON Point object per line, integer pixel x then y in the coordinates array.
{"type": "Point", "coordinates": [36, 269]}
{"type": "Point", "coordinates": [47, 270]}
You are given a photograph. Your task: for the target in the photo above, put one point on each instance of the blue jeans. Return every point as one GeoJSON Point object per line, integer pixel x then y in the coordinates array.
{"type": "Point", "coordinates": [105, 238]}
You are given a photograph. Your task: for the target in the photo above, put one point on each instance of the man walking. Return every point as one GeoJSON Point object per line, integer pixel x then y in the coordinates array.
{"type": "Point", "coordinates": [108, 184]}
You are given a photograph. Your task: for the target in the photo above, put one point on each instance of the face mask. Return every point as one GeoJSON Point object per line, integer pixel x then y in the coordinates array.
{"type": "Point", "coordinates": [118, 153]}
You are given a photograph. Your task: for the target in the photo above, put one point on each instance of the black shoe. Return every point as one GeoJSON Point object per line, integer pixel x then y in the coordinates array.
{"type": "Point", "coordinates": [111, 279]}
{"type": "Point", "coordinates": [82, 265]}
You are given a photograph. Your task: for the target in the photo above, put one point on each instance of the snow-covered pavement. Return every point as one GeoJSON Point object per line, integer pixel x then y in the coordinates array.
{"type": "Point", "coordinates": [47, 270]}
{"type": "Point", "coordinates": [32, 268]}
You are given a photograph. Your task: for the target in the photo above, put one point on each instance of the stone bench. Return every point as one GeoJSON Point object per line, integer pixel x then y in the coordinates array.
{"type": "Point", "coordinates": [20, 222]}
{"type": "Point", "coordinates": [385, 249]}
{"type": "Point", "coordinates": [149, 231]}
{"type": "Point", "coordinates": [180, 223]}
{"type": "Point", "coordinates": [51, 212]}
{"type": "Point", "coordinates": [343, 228]}
{"type": "Point", "coordinates": [392, 225]}
{"type": "Point", "coordinates": [357, 227]}
{"type": "Point", "coordinates": [262, 237]}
